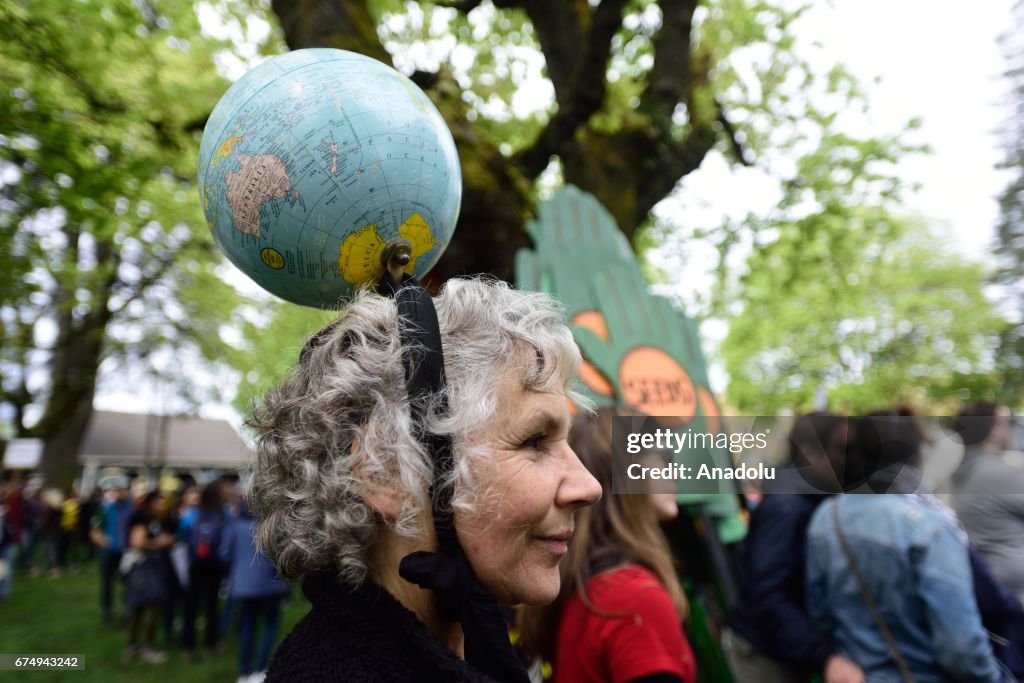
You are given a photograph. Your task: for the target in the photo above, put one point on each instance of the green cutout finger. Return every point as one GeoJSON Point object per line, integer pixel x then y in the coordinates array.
{"type": "Point", "coordinates": [573, 236]}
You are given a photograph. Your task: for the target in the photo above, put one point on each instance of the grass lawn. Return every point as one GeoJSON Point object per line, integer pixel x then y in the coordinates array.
{"type": "Point", "coordinates": [61, 616]}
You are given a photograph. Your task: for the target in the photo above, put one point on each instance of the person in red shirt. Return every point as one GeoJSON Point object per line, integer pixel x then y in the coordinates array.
{"type": "Point", "coordinates": [618, 617]}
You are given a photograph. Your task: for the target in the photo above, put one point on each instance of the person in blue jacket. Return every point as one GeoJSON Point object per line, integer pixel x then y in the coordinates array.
{"type": "Point", "coordinates": [889, 577]}
{"type": "Point", "coordinates": [256, 587]}
{"type": "Point", "coordinates": [110, 533]}
{"type": "Point", "coordinates": [770, 637]}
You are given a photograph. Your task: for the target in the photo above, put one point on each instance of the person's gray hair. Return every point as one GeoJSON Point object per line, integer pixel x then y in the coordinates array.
{"type": "Point", "coordinates": [342, 416]}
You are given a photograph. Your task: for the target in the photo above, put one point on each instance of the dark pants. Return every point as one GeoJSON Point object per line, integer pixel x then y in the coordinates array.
{"type": "Point", "coordinates": [64, 542]}
{"type": "Point", "coordinates": [142, 625]}
{"type": "Point", "coordinates": [252, 610]}
{"type": "Point", "coordinates": [175, 596]}
{"type": "Point", "coordinates": [29, 541]}
{"type": "Point", "coordinates": [109, 574]}
{"type": "Point", "coordinates": [204, 583]}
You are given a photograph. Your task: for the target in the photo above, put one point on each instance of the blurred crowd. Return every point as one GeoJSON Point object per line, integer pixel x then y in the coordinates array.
{"type": "Point", "coordinates": [901, 586]}
{"type": "Point", "coordinates": [894, 585]}
{"type": "Point", "coordinates": [891, 585]}
{"type": "Point", "coordinates": [167, 564]}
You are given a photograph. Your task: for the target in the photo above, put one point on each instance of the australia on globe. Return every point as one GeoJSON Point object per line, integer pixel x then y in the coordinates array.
{"type": "Point", "coordinates": [314, 162]}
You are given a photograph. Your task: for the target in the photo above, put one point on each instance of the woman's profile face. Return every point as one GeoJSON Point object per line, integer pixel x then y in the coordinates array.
{"type": "Point", "coordinates": [525, 518]}
{"type": "Point", "coordinates": [665, 506]}
{"type": "Point", "coordinates": [662, 495]}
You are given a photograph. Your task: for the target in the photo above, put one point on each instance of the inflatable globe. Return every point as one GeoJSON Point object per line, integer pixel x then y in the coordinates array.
{"type": "Point", "coordinates": [317, 160]}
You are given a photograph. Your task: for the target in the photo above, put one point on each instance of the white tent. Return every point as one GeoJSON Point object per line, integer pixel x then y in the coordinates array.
{"type": "Point", "coordinates": [140, 441]}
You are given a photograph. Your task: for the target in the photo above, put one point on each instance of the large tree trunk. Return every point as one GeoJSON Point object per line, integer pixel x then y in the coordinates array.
{"type": "Point", "coordinates": [73, 369]}
{"type": "Point", "coordinates": [628, 170]}
{"type": "Point", "coordinates": [73, 372]}
{"type": "Point", "coordinates": [495, 197]}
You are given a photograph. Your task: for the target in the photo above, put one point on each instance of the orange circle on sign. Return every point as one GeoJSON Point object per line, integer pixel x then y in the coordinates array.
{"type": "Point", "coordinates": [655, 384]}
{"type": "Point", "coordinates": [591, 376]}
{"type": "Point", "coordinates": [712, 415]}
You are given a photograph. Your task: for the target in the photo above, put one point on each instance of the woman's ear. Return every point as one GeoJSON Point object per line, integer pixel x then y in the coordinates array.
{"type": "Point", "coordinates": [383, 499]}
{"type": "Point", "coordinates": [378, 493]}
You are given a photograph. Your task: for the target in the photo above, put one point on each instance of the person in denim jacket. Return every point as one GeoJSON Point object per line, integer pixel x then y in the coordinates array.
{"type": "Point", "coordinates": [914, 561]}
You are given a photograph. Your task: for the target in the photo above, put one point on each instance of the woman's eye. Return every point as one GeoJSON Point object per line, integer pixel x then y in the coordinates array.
{"type": "Point", "coordinates": [533, 443]}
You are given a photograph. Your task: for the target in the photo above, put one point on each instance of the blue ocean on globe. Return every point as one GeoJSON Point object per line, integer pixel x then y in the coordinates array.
{"type": "Point", "coordinates": [314, 161]}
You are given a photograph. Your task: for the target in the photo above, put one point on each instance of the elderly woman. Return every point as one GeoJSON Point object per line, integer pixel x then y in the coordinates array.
{"type": "Point", "coordinates": [409, 514]}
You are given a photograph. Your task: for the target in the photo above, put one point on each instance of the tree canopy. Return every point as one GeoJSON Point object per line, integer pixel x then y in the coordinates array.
{"type": "Point", "coordinates": [105, 258]}
{"type": "Point", "coordinates": [106, 254]}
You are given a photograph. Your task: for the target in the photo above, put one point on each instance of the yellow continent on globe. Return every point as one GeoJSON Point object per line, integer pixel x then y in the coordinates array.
{"type": "Point", "coordinates": [224, 151]}
{"type": "Point", "coordinates": [359, 258]}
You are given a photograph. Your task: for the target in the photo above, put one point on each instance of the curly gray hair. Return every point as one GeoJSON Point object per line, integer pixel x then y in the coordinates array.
{"type": "Point", "coordinates": [342, 417]}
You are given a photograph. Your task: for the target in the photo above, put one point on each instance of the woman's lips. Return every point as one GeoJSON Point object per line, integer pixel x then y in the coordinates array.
{"type": "Point", "coordinates": [556, 543]}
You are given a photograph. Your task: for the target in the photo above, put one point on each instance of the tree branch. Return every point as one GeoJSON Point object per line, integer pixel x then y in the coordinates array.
{"type": "Point", "coordinates": [735, 145]}
{"type": "Point", "coordinates": [342, 24]}
{"type": "Point", "coordinates": [138, 289]}
{"type": "Point", "coordinates": [633, 168]}
{"type": "Point", "coordinates": [467, 6]}
{"type": "Point", "coordinates": [462, 6]}
{"type": "Point", "coordinates": [674, 162]}
{"type": "Point", "coordinates": [669, 80]}
{"type": "Point", "coordinates": [586, 94]}
{"type": "Point", "coordinates": [678, 158]}
{"type": "Point", "coordinates": [561, 29]}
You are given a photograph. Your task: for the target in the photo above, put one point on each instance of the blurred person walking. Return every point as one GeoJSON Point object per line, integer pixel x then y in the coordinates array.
{"type": "Point", "coordinates": [50, 529]}
{"type": "Point", "coordinates": [988, 494]}
{"type": "Point", "coordinates": [145, 578]}
{"type": "Point", "coordinates": [619, 612]}
{"type": "Point", "coordinates": [188, 510]}
{"type": "Point", "coordinates": [88, 508]}
{"type": "Point", "coordinates": [176, 584]}
{"type": "Point", "coordinates": [5, 546]}
{"type": "Point", "coordinates": [889, 576]}
{"type": "Point", "coordinates": [770, 637]}
{"type": "Point", "coordinates": [10, 534]}
{"type": "Point", "coordinates": [257, 591]}
{"type": "Point", "coordinates": [110, 534]}
{"type": "Point", "coordinates": [69, 530]}
{"type": "Point", "coordinates": [231, 494]}
{"type": "Point", "coordinates": [205, 569]}
{"type": "Point", "coordinates": [32, 527]}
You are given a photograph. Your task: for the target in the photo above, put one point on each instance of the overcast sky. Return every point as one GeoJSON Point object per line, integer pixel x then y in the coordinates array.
{"type": "Point", "coordinates": [939, 60]}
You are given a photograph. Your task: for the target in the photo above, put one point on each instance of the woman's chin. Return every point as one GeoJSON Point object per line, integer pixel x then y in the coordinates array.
{"type": "Point", "coordinates": [536, 588]}
{"type": "Point", "coordinates": [540, 592]}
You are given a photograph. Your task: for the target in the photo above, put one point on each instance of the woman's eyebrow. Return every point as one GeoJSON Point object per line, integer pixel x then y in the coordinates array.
{"type": "Point", "coordinates": [546, 421]}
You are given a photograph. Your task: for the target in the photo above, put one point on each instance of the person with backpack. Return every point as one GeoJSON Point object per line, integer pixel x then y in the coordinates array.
{"type": "Point", "coordinates": [205, 569]}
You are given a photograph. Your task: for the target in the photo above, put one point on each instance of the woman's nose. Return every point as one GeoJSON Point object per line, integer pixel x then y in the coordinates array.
{"type": "Point", "coordinates": [579, 487]}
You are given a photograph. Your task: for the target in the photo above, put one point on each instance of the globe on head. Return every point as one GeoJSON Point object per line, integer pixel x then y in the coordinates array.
{"type": "Point", "coordinates": [315, 162]}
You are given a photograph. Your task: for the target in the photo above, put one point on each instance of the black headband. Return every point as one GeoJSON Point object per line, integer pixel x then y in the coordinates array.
{"type": "Point", "coordinates": [460, 597]}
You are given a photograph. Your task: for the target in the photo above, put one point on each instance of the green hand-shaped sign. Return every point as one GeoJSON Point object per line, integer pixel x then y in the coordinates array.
{"type": "Point", "coordinates": [639, 351]}
{"type": "Point", "coordinates": [573, 236]}
{"type": "Point", "coordinates": [649, 354]}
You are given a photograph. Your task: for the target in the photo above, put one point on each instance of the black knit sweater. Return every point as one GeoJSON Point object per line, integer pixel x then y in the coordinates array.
{"type": "Point", "coordinates": [363, 635]}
